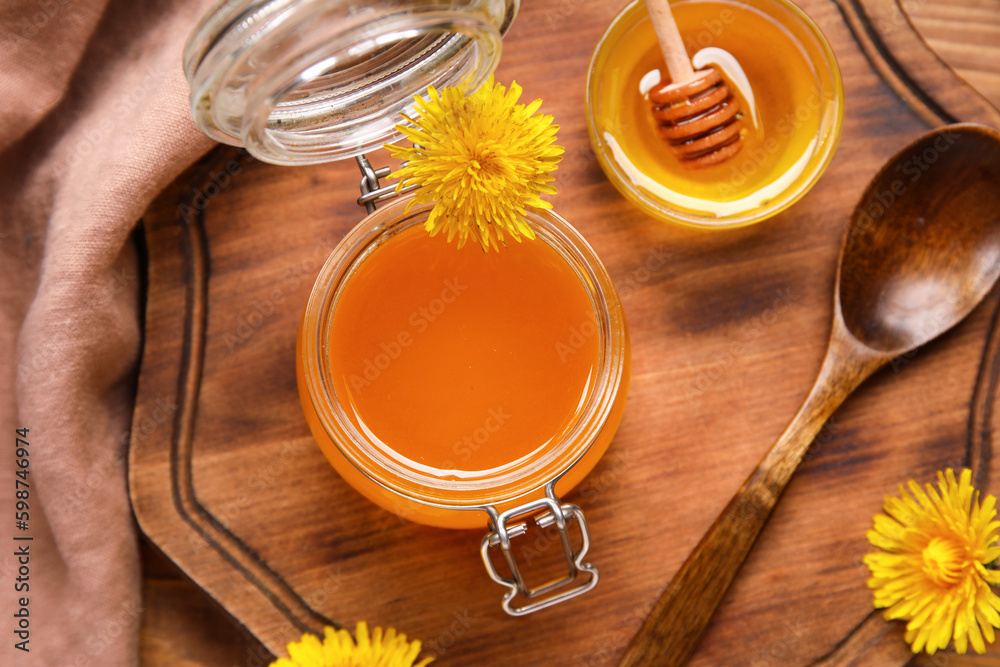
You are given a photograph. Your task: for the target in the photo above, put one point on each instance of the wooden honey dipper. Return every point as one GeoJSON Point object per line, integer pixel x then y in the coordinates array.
{"type": "Point", "coordinates": [696, 112]}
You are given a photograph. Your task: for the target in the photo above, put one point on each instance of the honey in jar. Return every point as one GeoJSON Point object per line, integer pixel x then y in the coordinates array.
{"type": "Point", "coordinates": [440, 380]}
{"type": "Point", "coordinates": [461, 362]}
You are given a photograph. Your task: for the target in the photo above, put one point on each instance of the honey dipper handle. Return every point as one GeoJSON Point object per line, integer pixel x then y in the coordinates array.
{"type": "Point", "coordinates": [671, 43]}
{"type": "Point", "coordinates": [675, 625]}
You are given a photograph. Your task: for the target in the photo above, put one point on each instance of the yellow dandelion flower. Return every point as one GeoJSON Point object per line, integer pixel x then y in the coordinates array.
{"type": "Point", "coordinates": [931, 570]}
{"type": "Point", "coordinates": [482, 159]}
{"type": "Point", "coordinates": [339, 649]}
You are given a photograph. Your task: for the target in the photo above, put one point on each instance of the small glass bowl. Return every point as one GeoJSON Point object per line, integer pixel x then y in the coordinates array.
{"type": "Point", "coordinates": [676, 206]}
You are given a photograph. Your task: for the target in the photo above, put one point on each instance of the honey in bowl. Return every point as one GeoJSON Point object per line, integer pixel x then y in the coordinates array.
{"type": "Point", "coordinates": [791, 112]}
{"type": "Point", "coordinates": [440, 380]}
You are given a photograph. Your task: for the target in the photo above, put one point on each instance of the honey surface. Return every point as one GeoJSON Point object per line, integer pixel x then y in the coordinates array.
{"type": "Point", "coordinates": [455, 361]}
{"type": "Point", "coordinates": [787, 109]}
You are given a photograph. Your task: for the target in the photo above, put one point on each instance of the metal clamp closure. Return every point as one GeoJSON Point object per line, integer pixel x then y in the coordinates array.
{"type": "Point", "coordinates": [372, 192]}
{"type": "Point", "coordinates": [553, 592]}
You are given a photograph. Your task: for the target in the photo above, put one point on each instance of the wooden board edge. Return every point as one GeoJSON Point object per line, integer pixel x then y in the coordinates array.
{"type": "Point", "coordinates": [908, 65]}
{"type": "Point", "coordinates": [161, 487]}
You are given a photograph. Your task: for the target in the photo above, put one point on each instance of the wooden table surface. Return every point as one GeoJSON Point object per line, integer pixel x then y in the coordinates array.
{"type": "Point", "coordinates": [181, 626]}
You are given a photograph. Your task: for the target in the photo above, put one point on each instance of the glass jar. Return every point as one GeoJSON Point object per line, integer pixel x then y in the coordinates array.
{"type": "Point", "coordinates": [309, 81]}
{"type": "Point", "coordinates": [497, 497]}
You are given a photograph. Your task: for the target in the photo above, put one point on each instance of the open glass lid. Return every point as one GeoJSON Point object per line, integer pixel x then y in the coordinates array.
{"type": "Point", "coordinates": [307, 81]}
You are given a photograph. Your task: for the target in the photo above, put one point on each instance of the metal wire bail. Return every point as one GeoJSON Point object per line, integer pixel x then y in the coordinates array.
{"type": "Point", "coordinates": [555, 514]}
{"type": "Point", "coordinates": [371, 192]}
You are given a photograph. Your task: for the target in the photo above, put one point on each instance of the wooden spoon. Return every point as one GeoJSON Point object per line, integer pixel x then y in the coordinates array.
{"type": "Point", "coordinates": [696, 112]}
{"type": "Point", "coordinates": [921, 251]}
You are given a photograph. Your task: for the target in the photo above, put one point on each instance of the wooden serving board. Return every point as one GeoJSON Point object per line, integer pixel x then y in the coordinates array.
{"type": "Point", "coordinates": [727, 335]}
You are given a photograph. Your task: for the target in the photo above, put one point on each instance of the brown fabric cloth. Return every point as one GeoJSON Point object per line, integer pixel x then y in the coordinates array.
{"type": "Point", "coordinates": [94, 121]}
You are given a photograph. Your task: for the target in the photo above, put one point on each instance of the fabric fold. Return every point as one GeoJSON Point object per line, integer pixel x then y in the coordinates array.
{"type": "Point", "coordinates": [94, 122]}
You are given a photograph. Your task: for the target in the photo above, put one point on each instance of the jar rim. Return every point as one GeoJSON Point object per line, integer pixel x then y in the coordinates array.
{"type": "Point", "coordinates": [309, 81]}
{"type": "Point", "coordinates": [488, 489]}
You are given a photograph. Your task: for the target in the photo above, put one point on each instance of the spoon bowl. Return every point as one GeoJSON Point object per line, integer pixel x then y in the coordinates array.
{"type": "Point", "coordinates": [923, 246]}
{"type": "Point", "coordinates": [921, 251]}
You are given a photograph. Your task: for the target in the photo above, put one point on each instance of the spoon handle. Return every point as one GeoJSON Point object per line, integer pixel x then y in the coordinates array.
{"type": "Point", "coordinates": [675, 625]}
